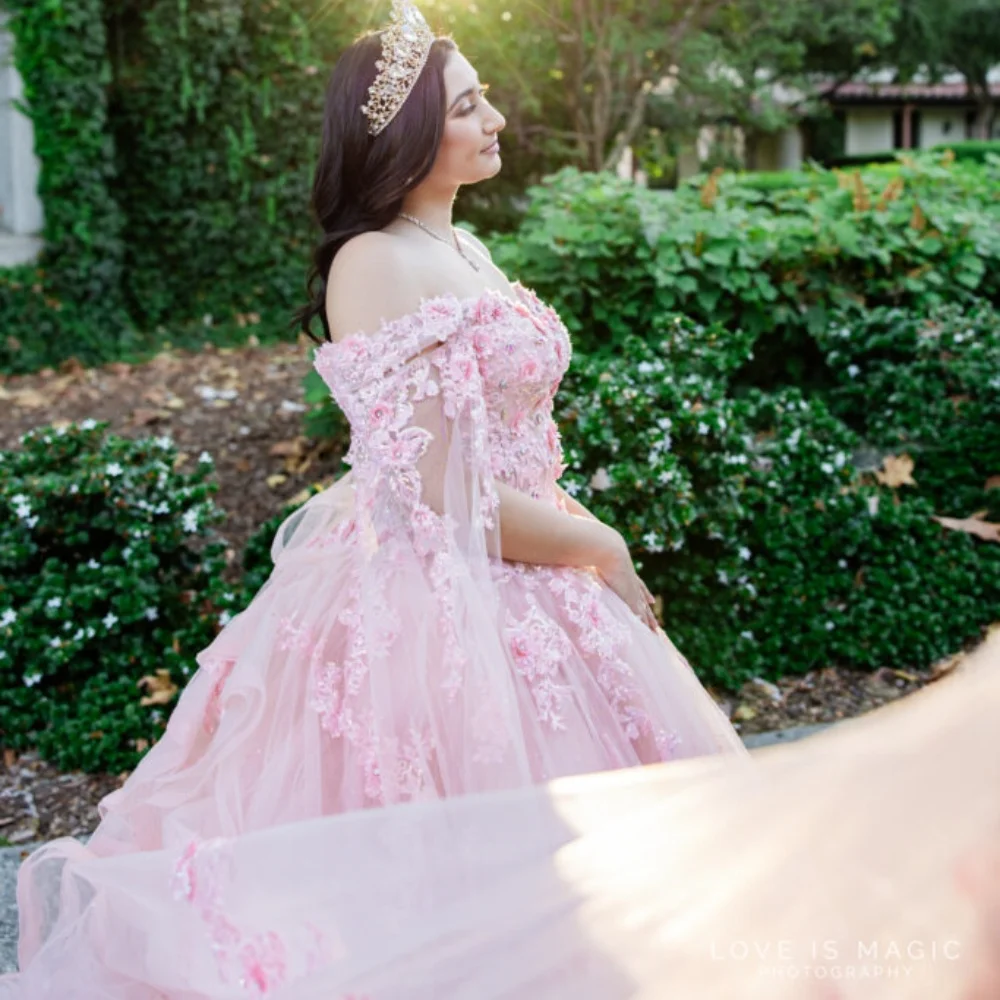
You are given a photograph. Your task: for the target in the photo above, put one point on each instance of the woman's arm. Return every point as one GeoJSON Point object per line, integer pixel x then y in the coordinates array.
{"type": "Point", "coordinates": [536, 532]}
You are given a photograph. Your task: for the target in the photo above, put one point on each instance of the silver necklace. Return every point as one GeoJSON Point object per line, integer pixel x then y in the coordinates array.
{"type": "Point", "coordinates": [453, 243]}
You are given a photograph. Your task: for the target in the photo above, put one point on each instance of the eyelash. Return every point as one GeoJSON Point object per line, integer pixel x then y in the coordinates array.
{"type": "Point", "coordinates": [472, 107]}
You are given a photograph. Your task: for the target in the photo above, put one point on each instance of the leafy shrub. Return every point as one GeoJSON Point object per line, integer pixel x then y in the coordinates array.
{"type": "Point", "coordinates": [928, 385]}
{"type": "Point", "coordinates": [748, 516]}
{"type": "Point", "coordinates": [977, 150]}
{"type": "Point", "coordinates": [612, 257]}
{"type": "Point", "coordinates": [110, 581]}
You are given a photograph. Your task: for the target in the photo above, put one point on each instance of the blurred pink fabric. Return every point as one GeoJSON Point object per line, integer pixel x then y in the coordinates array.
{"type": "Point", "coordinates": [391, 658]}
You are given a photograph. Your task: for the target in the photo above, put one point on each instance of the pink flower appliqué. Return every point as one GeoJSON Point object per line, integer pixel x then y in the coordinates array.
{"type": "Point", "coordinates": [379, 416]}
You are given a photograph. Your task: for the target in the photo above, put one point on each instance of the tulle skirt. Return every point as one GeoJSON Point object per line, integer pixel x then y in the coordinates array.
{"type": "Point", "coordinates": [862, 863]}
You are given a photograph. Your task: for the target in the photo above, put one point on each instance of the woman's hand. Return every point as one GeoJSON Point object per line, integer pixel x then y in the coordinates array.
{"type": "Point", "coordinates": [618, 572]}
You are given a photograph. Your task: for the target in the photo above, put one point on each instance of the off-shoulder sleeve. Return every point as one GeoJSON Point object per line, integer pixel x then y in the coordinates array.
{"type": "Point", "coordinates": [420, 456]}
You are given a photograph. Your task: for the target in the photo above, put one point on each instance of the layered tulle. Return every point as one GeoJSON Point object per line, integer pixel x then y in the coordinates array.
{"type": "Point", "coordinates": [863, 863]}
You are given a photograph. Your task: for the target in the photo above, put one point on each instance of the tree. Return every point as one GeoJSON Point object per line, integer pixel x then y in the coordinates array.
{"type": "Point", "coordinates": [960, 35]}
{"type": "Point", "coordinates": [759, 64]}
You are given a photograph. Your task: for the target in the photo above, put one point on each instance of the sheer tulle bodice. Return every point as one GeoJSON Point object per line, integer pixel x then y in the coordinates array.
{"type": "Point", "coordinates": [521, 349]}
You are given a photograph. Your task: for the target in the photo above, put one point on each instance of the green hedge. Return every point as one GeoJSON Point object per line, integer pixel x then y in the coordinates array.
{"type": "Point", "coordinates": [753, 517]}
{"type": "Point", "coordinates": [927, 385]}
{"type": "Point", "coordinates": [109, 574]}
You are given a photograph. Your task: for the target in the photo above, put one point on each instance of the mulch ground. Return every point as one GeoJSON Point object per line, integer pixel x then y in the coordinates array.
{"type": "Point", "coordinates": [243, 405]}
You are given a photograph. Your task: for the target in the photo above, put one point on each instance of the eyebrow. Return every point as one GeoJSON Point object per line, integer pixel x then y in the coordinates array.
{"type": "Point", "coordinates": [465, 93]}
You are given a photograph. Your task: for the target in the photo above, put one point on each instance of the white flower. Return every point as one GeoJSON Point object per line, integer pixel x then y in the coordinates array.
{"type": "Point", "coordinates": [205, 457]}
{"type": "Point", "coordinates": [114, 469]}
{"type": "Point", "coordinates": [30, 680]}
{"type": "Point", "coordinates": [830, 626]}
{"type": "Point", "coordinates": [74, 488]}
{"type": "Point", "coordinates": [109, 619]}
{"type": "Point", "coordinates": [190, 519]}
{"type": "Point", "coordinates": [840, 460]}
{"type": "Point", "coordinates": [151, 614]}
{"type": "Point", "coordinates": [747, 635]}
{"type": "Point", "coordinates": [78, 635]}
{"type": "Point", "coordinates": [88, 425]}
{"type": "Point", "coordinates": [572, 488]}
{"type": "Point", "coordinates": [744, 553]}
{"type": "Point", "coordinates": [56, 642]}
{"type": "Point", "coordinates": [225, 617]}
{"type": "Point", "coordinates": [703, 428]}
{"type": "Point", "coordinates": [723, 577]}
{"type": "Point", "coordinates": [126, 552]}
{"type": "Point", "coordinates": [793, 438]}
{"type": "Point", "coordinates": [32, 521]}
{"type": "Point", "coordinates": [652, 542]}
{"type": "Point", "coordinates": [665, 476]}
{"type": "Point", "coordinates": [853, 371]}
{"type": "Point", "coordinates": [842, 563]}
{"type": "Point", "coordinates": [164, 441]}
{"type": "Point", "coordinates": [93, 564]}
{"type": "Point", "coordinates": [601, 480]}
{"type": "Point", "coordinates": [664, 423]}
{"type": "Point", "coordinates": [162, 508]}
{"type": "Point", "coordinates": [54, 602]}
{"type": "Point", "coordinates": [827, 467]}
{"type": "Point", "coordinates": [90, 632]}
{"type": "Point", "coordinates": [644, 368]}
{"type": "Point", "coordinates": [8, 618]}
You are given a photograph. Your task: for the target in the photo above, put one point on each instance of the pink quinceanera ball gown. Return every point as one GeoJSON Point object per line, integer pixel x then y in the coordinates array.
{"type": "Point", "coordinates": [406, 771]}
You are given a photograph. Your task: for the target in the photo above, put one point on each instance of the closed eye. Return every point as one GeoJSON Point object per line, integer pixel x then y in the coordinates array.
{"type": "Point", "coordinates": [472, 107]}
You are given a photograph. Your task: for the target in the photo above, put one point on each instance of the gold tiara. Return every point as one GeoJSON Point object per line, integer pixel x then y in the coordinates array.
{"type": "Point", "coordinates": [406, 43]}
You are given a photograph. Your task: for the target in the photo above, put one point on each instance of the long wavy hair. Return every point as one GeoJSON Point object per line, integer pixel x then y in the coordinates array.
{"type": "Point", "coordinates": [360, 179]}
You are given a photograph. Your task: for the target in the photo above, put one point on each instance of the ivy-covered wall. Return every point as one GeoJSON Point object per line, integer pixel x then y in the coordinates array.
{"type": "Point", "coordinates": [216, 110]}
{"type": "Point", "coordinates": [177, 140]}
{"type": "Point", "coordinates": [70, 302]}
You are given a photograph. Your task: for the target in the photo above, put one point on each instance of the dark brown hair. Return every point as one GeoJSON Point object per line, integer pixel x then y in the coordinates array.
{"type": "Point", "coordinates": [360, 179]}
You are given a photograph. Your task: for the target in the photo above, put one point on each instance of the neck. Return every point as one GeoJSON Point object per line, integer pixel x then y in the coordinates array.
{"type": "Point", "coordinates": [433, 209]}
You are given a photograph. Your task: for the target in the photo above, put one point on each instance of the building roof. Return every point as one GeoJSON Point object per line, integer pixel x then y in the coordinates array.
{"type": "Point", "coordinates": [858, 92]}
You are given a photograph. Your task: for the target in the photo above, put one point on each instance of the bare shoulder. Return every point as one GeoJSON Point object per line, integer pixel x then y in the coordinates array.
{"type": "Point", "coordinates": [371, 280]}
{"type": "Point", "coordinates": [476, 242]}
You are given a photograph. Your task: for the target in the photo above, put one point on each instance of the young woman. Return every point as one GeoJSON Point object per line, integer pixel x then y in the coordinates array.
{"type": "Point", "coordinates": [443, 620]}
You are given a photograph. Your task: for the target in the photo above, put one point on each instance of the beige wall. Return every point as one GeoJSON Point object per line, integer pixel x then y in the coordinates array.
{"type": "Point", "coordinates": [19, 168]}
{"type": "Point", "coordinates": [868, 130]}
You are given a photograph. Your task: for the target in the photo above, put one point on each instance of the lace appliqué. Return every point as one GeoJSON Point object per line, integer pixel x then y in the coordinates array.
{"type": "Point", "coordinates": [260, 962]}
{"type": "Point", "coordinates": [539, 648]}
{"type": "Point", "coordinates": [606, 639]}
{"type": "Point", "coordinates": [340, 696]}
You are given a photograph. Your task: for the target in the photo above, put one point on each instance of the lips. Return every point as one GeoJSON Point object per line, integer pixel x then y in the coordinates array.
{"type": "Point", "coordinates": [494, 147]}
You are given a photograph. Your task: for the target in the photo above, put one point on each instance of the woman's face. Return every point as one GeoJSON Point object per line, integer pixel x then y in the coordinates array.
{"type": "Point", "coordinates": [470, 148]}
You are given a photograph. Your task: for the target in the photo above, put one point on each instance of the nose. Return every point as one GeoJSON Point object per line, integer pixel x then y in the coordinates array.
{"type": "Point", "coordinates": [498, 123]}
